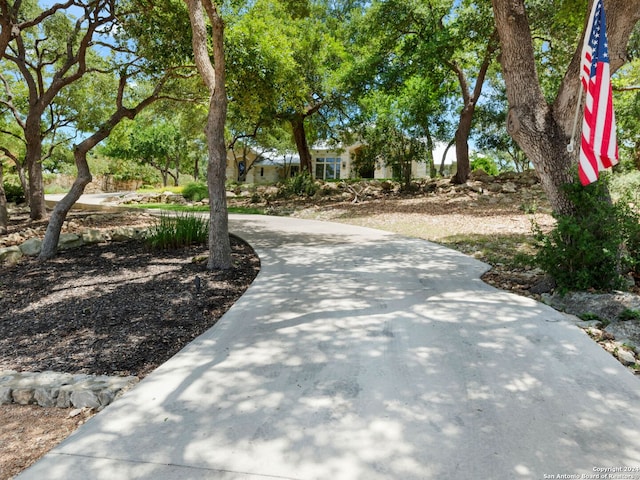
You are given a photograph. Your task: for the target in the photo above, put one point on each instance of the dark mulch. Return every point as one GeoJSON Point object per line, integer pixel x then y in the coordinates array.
{"type": "Point", "coordinates": [113, 308]}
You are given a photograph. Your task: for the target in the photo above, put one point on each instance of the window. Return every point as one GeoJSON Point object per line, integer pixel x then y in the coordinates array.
{"type": "Point", "coordinates": [327, 168]}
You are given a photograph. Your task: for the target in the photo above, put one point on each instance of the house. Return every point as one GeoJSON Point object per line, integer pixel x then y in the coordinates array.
{"type": "Point", "coordinates": [266, 167]}
{"type": "Point", "coordinates": [329, 162]}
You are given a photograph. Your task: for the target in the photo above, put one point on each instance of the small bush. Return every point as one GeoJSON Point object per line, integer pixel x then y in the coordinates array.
{"type": "Point", "coordinates": [173, 232]}
{"type": "Point", "coordinates": [486, 164]}
{"type": "Point", "coordinates": [301, 184]}
{"type": "Point", "coordinates": [585, 250]}
{"type": "Point", "coordinates": [195, 191]}
{"type": "Point", "coordinates": [628, 314]}
{"type": "Point", "coordinates": [13, 192]}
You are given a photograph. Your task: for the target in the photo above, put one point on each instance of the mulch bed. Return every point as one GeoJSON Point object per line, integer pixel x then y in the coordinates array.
{"type": "Point", "coordinates": [113, 308]}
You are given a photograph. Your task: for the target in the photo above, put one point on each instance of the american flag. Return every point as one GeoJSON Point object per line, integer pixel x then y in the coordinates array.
{"type": "Point", "coordinates": [599, 147]}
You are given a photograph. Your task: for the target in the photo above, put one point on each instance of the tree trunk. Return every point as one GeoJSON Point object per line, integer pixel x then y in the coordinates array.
{"type": "Point", "coordinates": [214, 79]}
{"type": "Point", "coordinates": [300, 137]}
{"type": "Point", "coordinates": [470, 100]}
{"type": "Point", "coordinates": [24, 183]}
{"type": "Point", "coordinates": [59, 214]}
{"type": "Point", "coordinates": [4, 215]}
{"type": "Point", "coordinates": [33, 162]}
{"type": "Point", "coordinates": [431, 162]}
{"type": "Point", "coordinates": [462, 146]}
{"type": "Point", "coordinates": [219, 245]}
{"type": "Point", "coordinates": [541, 130]}
{"type": "Point", "coordinates": [444, 155]}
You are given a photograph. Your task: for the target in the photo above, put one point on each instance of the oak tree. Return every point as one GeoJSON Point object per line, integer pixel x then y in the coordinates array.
{"type": "Point", "coordinates": [542, 127]}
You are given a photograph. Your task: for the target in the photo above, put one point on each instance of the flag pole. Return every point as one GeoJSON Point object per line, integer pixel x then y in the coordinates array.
{"type": "Point", "coordinates": [570, 146]}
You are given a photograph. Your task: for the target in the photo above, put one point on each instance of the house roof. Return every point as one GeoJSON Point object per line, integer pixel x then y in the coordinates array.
{"type": "Point", "coordinates": [278, 158]}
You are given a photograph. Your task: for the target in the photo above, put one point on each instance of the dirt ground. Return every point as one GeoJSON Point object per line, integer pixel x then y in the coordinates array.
{"type": "Point", "coordinates": [117, 309]}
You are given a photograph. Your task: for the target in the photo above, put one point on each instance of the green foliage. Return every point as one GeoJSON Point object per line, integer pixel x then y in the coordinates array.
{"type": "Point", "coordinates": [585, 250]}
{"type": "Point", "coordinates": [485, 164]}
{"type": "Point", "coordinates": [388, 140]}
{"type": "Point", "coordinates": [626, 186]}
{"type": "Point", "coordinates": [195, 191]}
{"type": "Point", "coordinates": [629, 314]}
{"type": "Point", "coordinates": [173, 232]}
{"type": "Point", "coordinates": [301, 184]}
{"type": "Point", "coordinates": [124, 170]}
{"type": "Point", "coordinates": [13, 190]}
{"type": "Point", "coordinates": [589, 317]}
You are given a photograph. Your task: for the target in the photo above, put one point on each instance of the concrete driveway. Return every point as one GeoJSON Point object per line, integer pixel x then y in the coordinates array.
{"type": "Point", "coordinates": [360, 354]}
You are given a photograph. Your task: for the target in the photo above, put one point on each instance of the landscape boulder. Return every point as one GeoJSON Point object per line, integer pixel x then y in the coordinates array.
{"type": "Point", "coordinates": [31, 247]}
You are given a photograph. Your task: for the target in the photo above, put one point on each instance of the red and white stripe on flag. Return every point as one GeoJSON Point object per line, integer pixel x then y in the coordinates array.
{"type": "Point", "coordinates": [599, 147]}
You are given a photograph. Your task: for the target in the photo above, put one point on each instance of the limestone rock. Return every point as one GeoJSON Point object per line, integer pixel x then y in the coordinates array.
{"type": "Point", "coordinates": [94, 236]}
{"type": "Point", "coordinates": [31, 247]}
{"type": "Point", "coordinates": [5, 396]}
{"type": "Point", "coordinates": [544, 285]}
{"type": "Point", "coordinates": [509, 187]}
{"type": "Point", "coordinates": [46, 397]}
{"type": "Point", "coordinates": [10, 254]}
{"type": "Point", "coordinates": [607, 306]}
{"type": "Point", "coordinates": [23, 396]}
{"type": "Point", "coordinates": [626, 332]}
{"type": "Point", "coordinates": [625, 356]}
{"type": "Point", "coordinates": [64, 397]}
{"type": "Point", "coordinates": [123, 234]}
{"type": "Point", "coordinates": [69, 240]}
{"type": "Point", "coordinates": [85, 398]}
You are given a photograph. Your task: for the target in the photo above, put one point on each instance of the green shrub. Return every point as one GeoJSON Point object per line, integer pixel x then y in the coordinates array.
{"type": "Point", "coordinates": [301, 184]}
{"type": "Point", "coordinates": [173, 232]}
{"type": "Point", "coordinates": [591, 248]}
{"type": "Point", "coordinates": [13, 192]}
{"type": "Point", "coordinates": [195, 191]}
{"type": "Point", "coordinates": [628, 314]}
{"type": "Point", "coordinates": [486, 164]}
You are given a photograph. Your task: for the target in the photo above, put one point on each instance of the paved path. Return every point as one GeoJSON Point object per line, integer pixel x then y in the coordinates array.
{"type": "Point", "coordinates": [359, 354]}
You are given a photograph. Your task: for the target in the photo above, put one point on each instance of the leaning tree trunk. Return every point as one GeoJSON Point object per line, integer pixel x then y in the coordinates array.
{"type": "Point", "coordinates": [470, 100]}
{"type": "Point", "coordinates": [444, 156]}
{"type": "Point", "coordinates": [59, 214]}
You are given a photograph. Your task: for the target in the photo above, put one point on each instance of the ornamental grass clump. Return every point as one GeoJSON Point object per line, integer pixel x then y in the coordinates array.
{"type": "Point", "coordinates": [177, 231]}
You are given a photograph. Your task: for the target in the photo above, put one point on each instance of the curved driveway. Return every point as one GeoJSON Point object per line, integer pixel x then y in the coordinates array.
{"type": "Point", "coordinates": [360, 354]}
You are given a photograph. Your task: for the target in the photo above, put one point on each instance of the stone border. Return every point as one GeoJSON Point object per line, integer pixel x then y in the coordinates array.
{"type": "Point", "coordinates": [32, 246]}
{"type": "Point", "coordinates": [62, 390]}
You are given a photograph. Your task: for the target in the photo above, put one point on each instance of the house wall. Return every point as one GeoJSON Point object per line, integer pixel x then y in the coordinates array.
{"type": "Point", "coordinates": [418, 169]}
{"type": "Point", "coordinates": [266, 172]}
{"type": "Point", "coordinates": [258, 172]}
{"type": "Point", "coordinates": [344, 156]}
